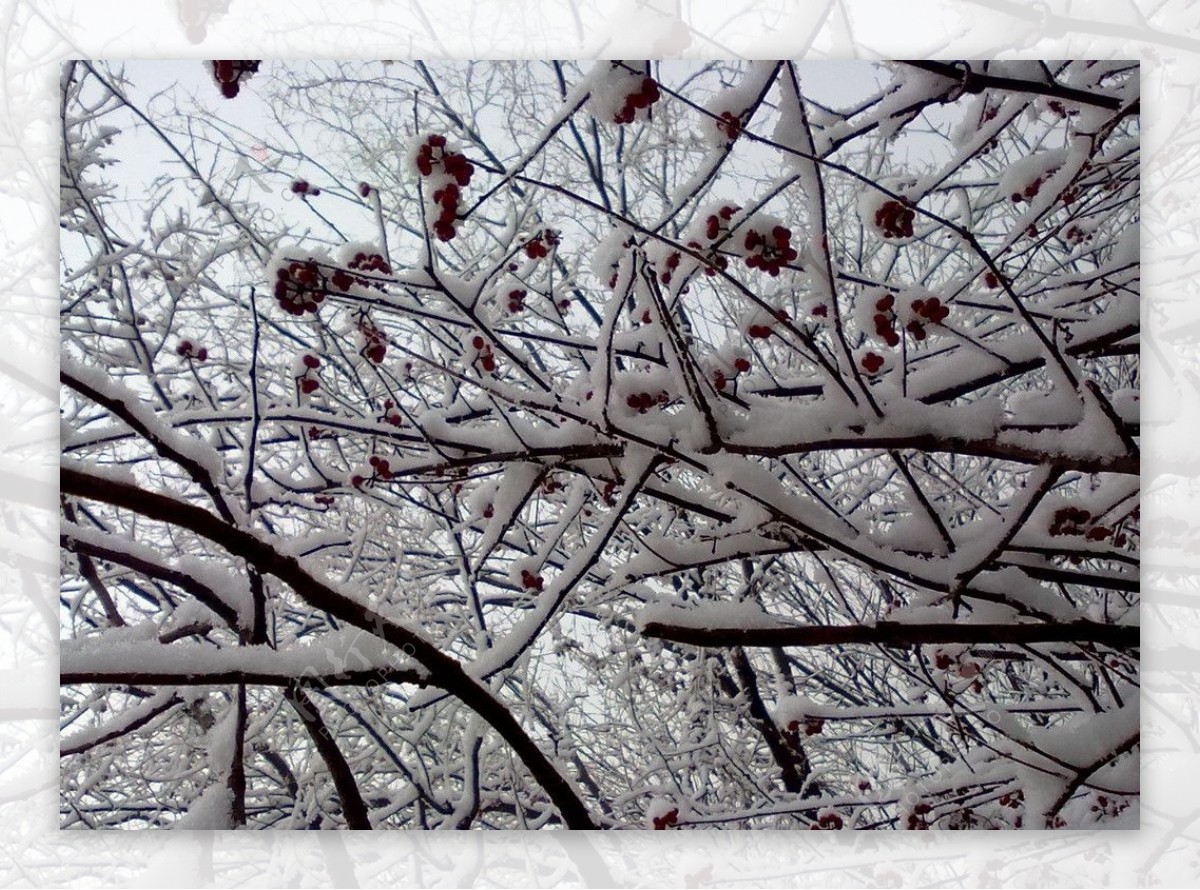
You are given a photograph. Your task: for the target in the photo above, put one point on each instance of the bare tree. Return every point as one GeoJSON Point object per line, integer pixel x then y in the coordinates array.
{"type": "Point", "coordinates": [645, 445]}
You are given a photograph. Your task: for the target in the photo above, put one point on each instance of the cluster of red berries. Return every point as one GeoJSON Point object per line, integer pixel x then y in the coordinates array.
{"type": "Point", "coordinates": [828, 822]}
{"type": "Point", "coordinates": [812, 726]}
{"type": "Point", "coordinates": [1109, 807]}
{"type": "Point", "coordinates": [895, 219]}
{"type": "Point", "coordinates": [298, 288]}
{"type": "Point", "coordinates": [390, 414]}
{"type": "Point", "coordinates": [872, 362]}
{"type": "Point", "coordinates": [1069, 521]}
{"type": "Point", "coordinates": [667, 819]}
{"type": "Point", "coordinates": [717, 223]}
{"type": "Point", "coordinates": [433, 156]}
{"type": "Point", "coordinates": [721, 380]}
{"type": "Point", "coordinates": [1102, 532]}
{"type": "Point", "coordinates": [931, 310]}
{"type": "Point", "coordinates": [530, 581]}
{"type": "Point", "coordinates": [671, 263]}
{"type": "Point", "coordinates": [966, 667]}
{"type": "Point", "coordinates": [305, 188]}
{"type": "Point", "coordinates": [374, 340]}
{"type": "Point", "coordinates": [1013, 799]}
{"type": "Point", "coordinates": [730, 125]}
{"type": "Point", "coordinates": [773, 251]}
{"type": "Point", "coordinates": [447, 198]}
{"type": "Point", "coordinates": [1072, 521]}
{"type": "Point", "coordinates": [362, 262]}
{"type": "Point", "coordinates": [539, 246]}
{"type": "Point", "coordinates": [1076, 235]}
{"type": "Point", "coordinates": [309, 382]}
{"type": "Point", "coordinates": [433, 152]}
{"type": "Point", "coordinates": [884, 320]}
{"type": "Point", "coordinates": [916, 819]}
{"type": "Point", "coordinates": [645, 96]}
{"type": "Point", "coordinates": [716, 227]}
{"type": "Point", "coordinates": [382, 470]}
{"type": "Point", "coordinates": [516, 300]}
{"type": "Point", "coordinates": [759, 331]}
{"type": "Point", "coordinates": [370, 262]}
{"type": "Point", "coordinates": [231, 72]}
{"type": "Point", "coordinates": [487, 360]}
{"type": "Point", "coordinates": [644, 401]}
{"type": "Point", "coordinates": [188, 349]}
{"type": "Point", "coordinates": [1029, 193]}
{"type": "Point", "coordinates": [324, 500]}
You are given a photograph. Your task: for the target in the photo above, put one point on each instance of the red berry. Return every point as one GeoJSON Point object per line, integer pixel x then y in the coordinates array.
{"type": "Point", "coordinates": [742, 365]}
{"type": "Point", "coordinates": [311, 361]}
{"type": "Point", "coordinates": [309, 385]}
{"type": "Point", "coordinates": [872, 362]}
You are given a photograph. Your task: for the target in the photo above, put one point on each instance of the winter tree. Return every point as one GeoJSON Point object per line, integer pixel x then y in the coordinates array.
{"type": "Point", "coordinates": [613, 445]}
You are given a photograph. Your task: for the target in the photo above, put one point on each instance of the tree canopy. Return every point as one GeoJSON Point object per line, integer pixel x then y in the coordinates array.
{"type": "Point", "coordinates": [621, 445]}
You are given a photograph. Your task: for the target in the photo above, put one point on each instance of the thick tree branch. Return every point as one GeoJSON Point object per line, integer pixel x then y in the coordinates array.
{"type": "Point", "coordinates": [892, 633]}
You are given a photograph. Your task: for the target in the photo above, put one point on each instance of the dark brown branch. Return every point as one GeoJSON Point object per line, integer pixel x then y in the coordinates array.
{"type": "Point", "coordinates": [190, 465]}
{"type": "Point", "coordinates": [205, 594]}
{"type": "Point", "coordinates": [793, 762]}
{"type": "Point", "coordinates": [87, 568]}
{"type": "Point", "coordinates": [974, 82]}
{"type": "Point", "coordinates": [892, 633]}
{"type": "Point", "coordinates": [184, 677]}
{"type": "Point", "coordinates": [354, 808]}
{"type": "Point", "coordinates": [119, 731]}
